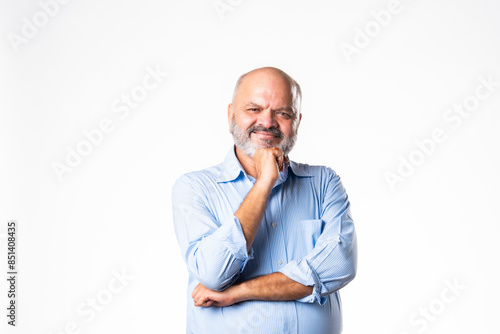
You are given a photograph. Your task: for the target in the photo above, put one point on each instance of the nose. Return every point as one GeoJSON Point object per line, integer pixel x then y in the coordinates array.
{"type": "Point", "coordinates": [267, 118]}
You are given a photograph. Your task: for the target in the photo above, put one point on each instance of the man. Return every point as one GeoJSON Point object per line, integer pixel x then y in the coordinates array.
{"type": "Point", "coordinates": [268, 242]}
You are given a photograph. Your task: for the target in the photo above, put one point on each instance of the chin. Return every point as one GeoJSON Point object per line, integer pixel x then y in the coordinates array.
{"type": "Point", "coordinates": [265, 143]}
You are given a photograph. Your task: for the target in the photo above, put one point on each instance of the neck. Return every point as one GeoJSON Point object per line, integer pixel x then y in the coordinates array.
{"type": "Point", "coordinates": [246, 162]}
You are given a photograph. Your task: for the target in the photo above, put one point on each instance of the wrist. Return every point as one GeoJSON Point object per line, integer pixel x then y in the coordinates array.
{"type": "Point", "coordinates": [264, 185]}
{"type": "Point", "coordinates": [242, 292]}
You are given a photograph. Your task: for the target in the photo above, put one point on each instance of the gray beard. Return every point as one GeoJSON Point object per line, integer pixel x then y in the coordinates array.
{"type": "Point", "coordinates": [244, 142]}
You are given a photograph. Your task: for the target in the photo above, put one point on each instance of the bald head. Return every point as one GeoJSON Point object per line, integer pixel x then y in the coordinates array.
{"type": "Point", "coordinates": [265, 111]}
{"type": "Point", "coordinates": [272, 73]}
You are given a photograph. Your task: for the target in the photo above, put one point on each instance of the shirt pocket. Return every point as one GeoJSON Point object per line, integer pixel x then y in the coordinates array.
{"type": "Point", "coordinates": [303, 237]}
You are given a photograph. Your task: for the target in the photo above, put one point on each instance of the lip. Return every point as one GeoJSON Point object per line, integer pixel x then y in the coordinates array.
{"type": "Point", "coordinates": [266, 135]}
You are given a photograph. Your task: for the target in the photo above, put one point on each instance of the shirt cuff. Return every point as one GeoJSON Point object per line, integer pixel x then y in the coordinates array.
{"type": "Point", "coordinates": [301, 272]}
{"type": "Point", "coordinates": [231, 235]}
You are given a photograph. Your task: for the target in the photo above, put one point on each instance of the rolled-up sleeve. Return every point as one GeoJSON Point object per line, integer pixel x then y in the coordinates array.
{"type": "Point", "coordinates": [215, 251]}
{"type": "Point", "coordinates": [332, 262]}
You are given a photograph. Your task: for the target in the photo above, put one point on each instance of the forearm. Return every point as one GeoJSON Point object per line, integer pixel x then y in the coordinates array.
{"type": "Point", "coordinates": [251, 211]}
{"type": "Point", "coordinates": [216, 251]}
{"type": "Point", "coordinates": [275, 286]}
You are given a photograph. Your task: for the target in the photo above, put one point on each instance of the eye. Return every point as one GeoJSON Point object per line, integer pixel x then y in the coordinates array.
{"type": "Point", "coordinates": [253, 109]}
{"type": "Point", "coordinates": [284, 114]}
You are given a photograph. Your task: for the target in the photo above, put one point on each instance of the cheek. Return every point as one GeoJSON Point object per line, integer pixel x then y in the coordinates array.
{"type": "Point", "coordinates": [287, 128]}
{"type": "Point", "coordinates": [245, 121]}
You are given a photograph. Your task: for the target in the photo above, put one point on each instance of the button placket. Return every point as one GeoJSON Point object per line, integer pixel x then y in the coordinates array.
{"type": "Point", "coordinates": [276, 231]}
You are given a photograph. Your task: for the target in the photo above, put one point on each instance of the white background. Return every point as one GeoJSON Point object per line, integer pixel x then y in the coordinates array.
{"type": "Point", "coordinates": [112, 213]}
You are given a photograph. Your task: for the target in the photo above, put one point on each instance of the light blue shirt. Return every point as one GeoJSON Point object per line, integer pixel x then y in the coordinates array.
{"type": "Point", "coordinates": [307, 233]}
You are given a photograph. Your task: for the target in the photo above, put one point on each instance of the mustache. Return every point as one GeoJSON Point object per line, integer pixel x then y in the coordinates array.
{"type": "Point", "coordinates": [272, 130]}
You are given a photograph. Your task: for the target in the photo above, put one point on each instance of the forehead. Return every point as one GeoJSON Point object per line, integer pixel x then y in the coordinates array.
{"type": "Point", "coordinates": [264, 87]}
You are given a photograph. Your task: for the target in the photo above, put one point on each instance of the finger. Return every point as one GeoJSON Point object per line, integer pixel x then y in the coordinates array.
{"type": "Point", "coordinates": [202, 302]}
{"type": "Point", "coordinates": [196, 289]}
{"type": "Point", "coordinates": [199, 298]}
{"type": "Point", "coordinates": [280, 158]}
{"type": "Point", "coordinates": [276, 151]}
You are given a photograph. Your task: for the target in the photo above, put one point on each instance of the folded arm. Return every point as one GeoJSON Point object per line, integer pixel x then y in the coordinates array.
{"type": "Point", "coordinates": [216, 252]}
{"type": "Point", "coordinates": [275, 286]}
{"type": "Point", "coordinates": [328, 267]}
{"type": "Point", "coordinates": [332, 263]}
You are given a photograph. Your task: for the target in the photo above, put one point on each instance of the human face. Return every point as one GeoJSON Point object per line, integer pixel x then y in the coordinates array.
{"type": "Point", "coordinates": [261, 115]}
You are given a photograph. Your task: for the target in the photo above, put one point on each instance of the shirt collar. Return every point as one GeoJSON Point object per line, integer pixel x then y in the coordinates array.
{"type": "Point", "coordinates": [231, 168]}
{"type": "Point", "coordinates": [299, 169]}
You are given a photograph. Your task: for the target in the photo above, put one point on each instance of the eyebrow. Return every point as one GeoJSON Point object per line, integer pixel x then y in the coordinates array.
{"type": "Point", "coordinates": [289, 109]}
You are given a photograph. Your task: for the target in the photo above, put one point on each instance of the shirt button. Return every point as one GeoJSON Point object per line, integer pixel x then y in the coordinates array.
{"type": "Point", "coordinates": [279, 262]}
{"type": "Point", "coordinates": [274, 225]}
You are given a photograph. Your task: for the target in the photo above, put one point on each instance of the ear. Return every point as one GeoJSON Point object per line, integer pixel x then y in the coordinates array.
{"type": "Point", "coordinates": [230, 113]}
{"type": "Point", "coordinates": [300, 117]}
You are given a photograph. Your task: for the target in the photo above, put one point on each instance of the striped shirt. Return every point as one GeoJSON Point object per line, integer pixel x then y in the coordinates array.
{"type": "Point", "coordinates": [307, 233]}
